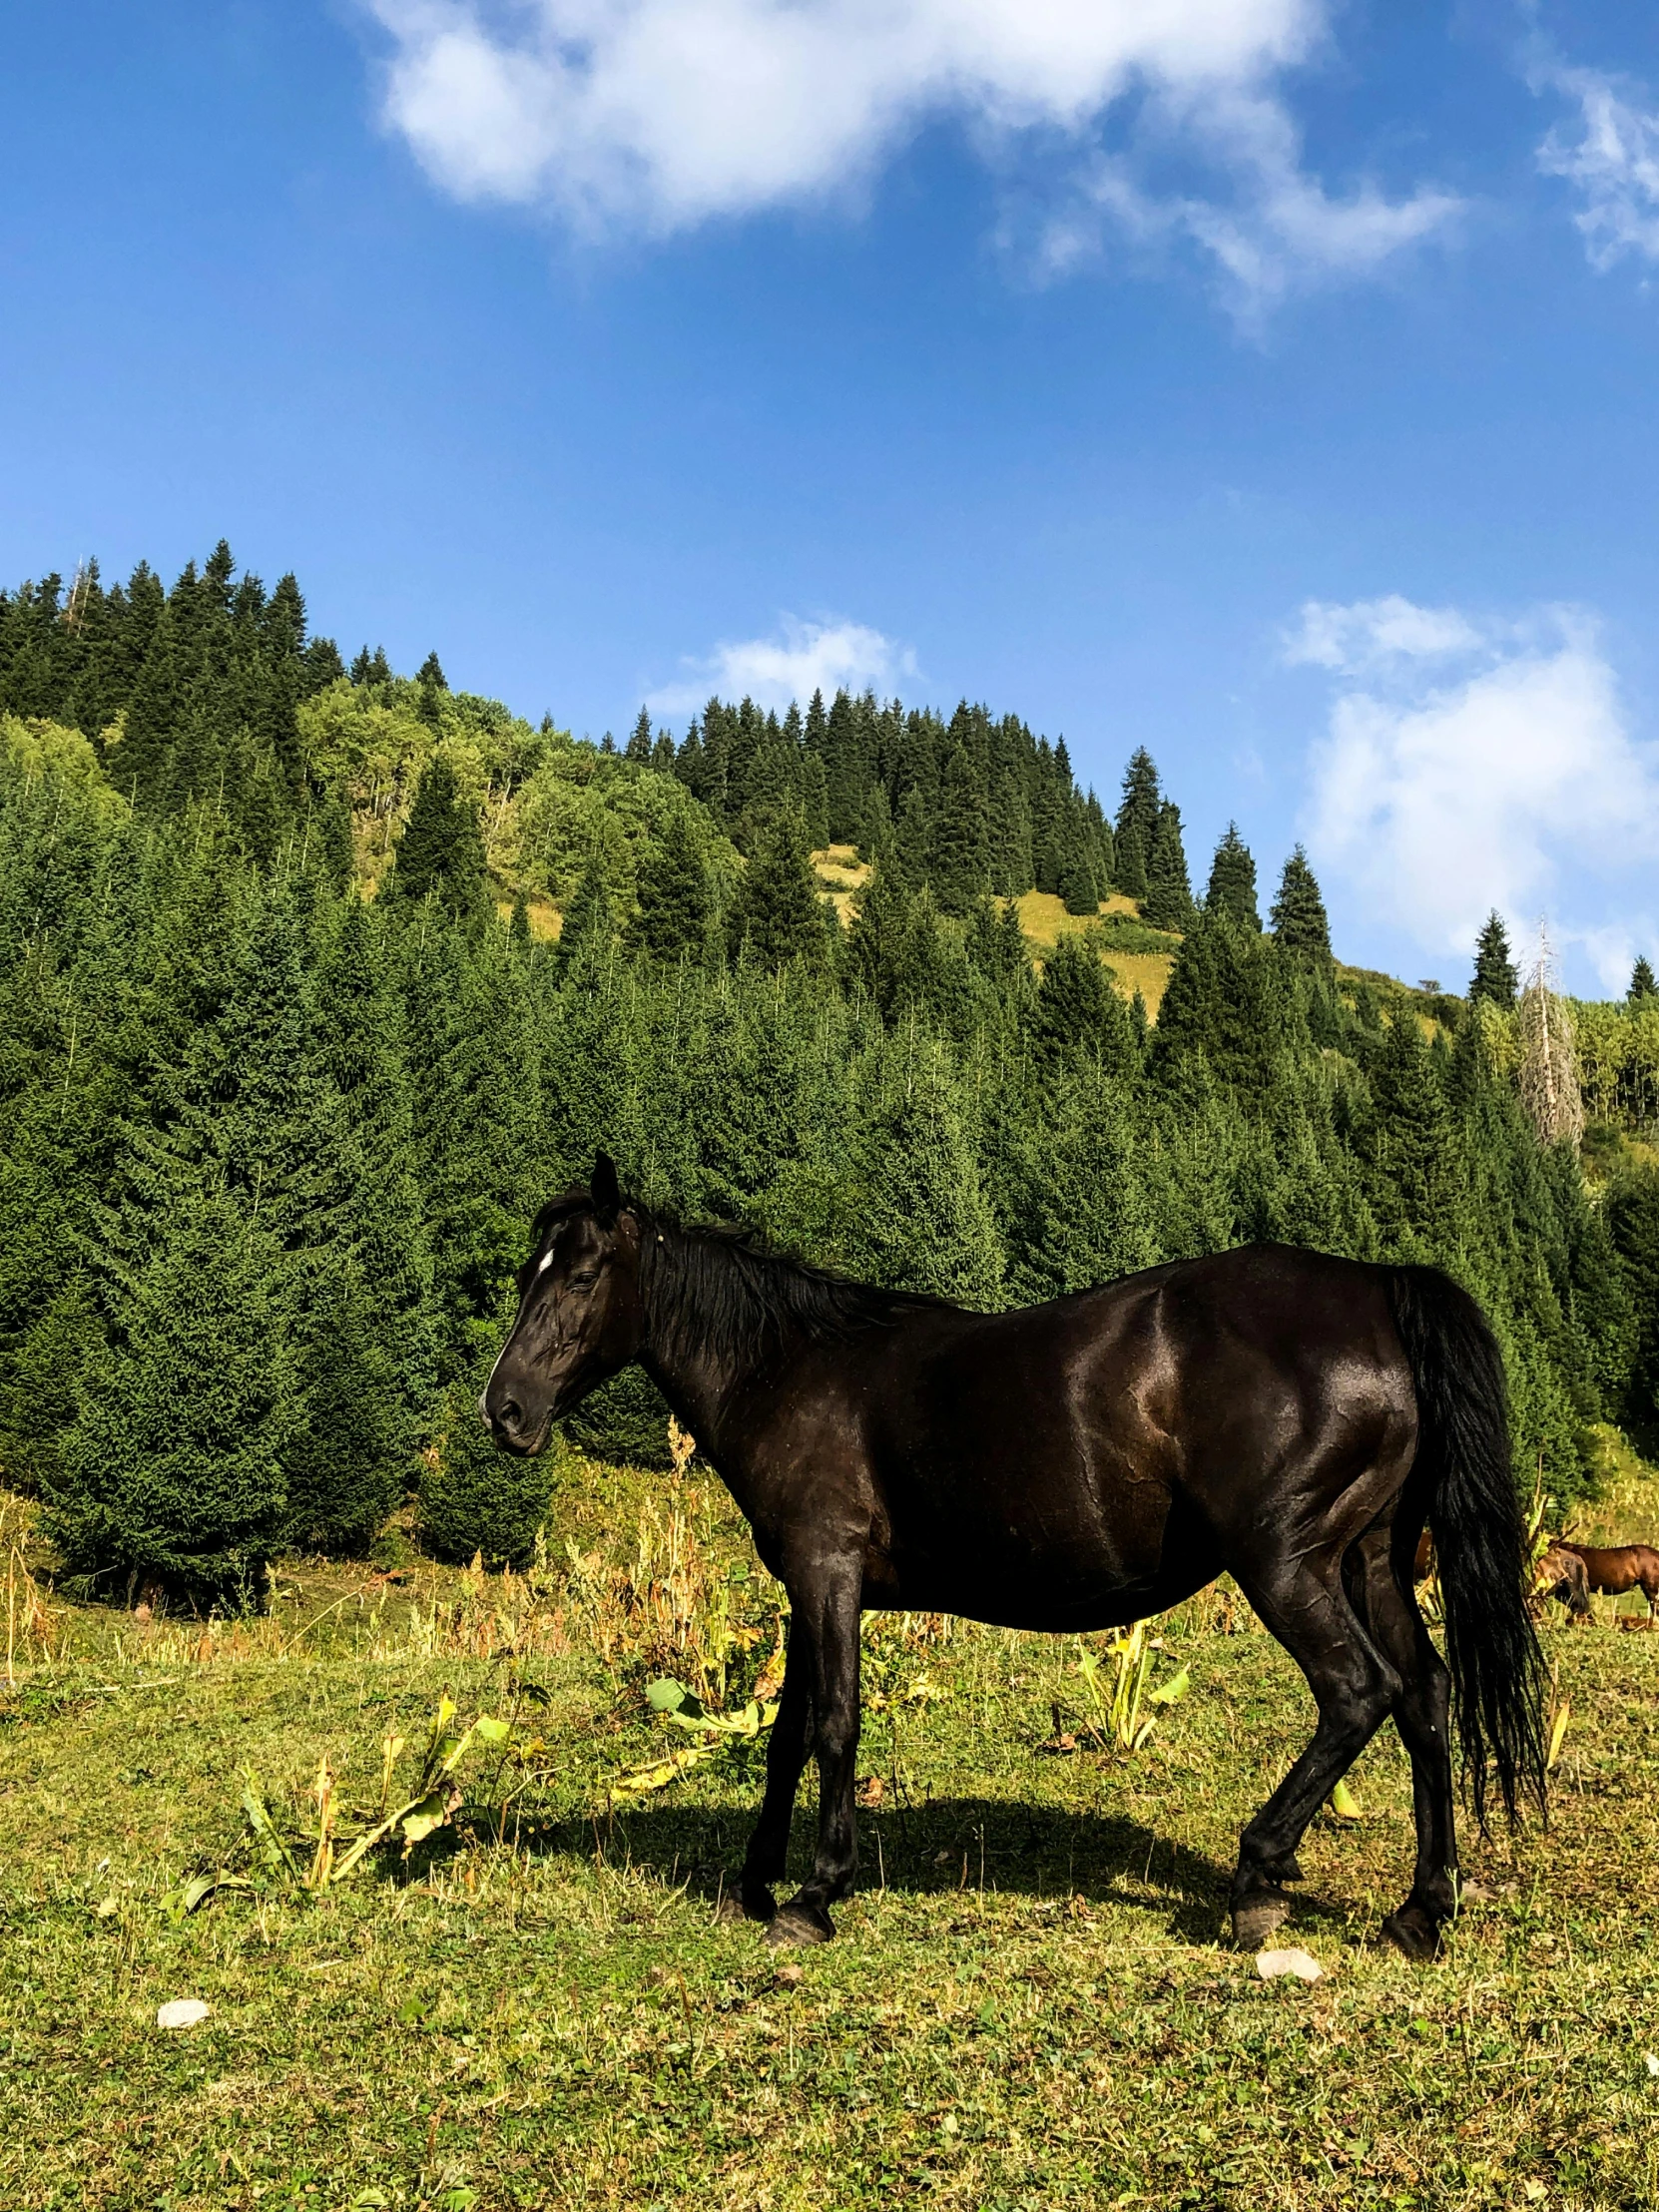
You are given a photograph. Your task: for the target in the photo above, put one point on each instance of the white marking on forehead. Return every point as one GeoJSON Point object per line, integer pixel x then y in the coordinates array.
{"type": "Point", "coordinates": [545, 1262]}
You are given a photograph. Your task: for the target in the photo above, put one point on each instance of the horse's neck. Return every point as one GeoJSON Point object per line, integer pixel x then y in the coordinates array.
{"type": "Point", "coordinates": [702, 1378]}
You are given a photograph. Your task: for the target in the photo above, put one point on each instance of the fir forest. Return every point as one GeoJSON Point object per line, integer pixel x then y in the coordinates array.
{"type": "Point", "coordinates": [318, 978]}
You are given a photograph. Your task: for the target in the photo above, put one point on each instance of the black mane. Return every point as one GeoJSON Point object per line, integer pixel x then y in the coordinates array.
{"type": "Point", "coordinates": [726, 1291]}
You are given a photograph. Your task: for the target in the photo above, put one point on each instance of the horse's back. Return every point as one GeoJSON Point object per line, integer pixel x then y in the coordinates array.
{"type": "Point", "coordinates": [1070, 1442]}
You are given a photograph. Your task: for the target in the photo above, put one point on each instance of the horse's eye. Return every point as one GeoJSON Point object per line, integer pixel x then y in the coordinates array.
{"type": "Point", "coordinates": [586, 1280]}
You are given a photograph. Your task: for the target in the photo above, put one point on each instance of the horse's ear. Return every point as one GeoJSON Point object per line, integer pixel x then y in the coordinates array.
{"type": "Point", "coordinates": [605, 1189]}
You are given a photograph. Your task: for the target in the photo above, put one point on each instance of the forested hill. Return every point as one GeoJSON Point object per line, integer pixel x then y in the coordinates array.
{"type": "Point", "coordinates": [315, 980]}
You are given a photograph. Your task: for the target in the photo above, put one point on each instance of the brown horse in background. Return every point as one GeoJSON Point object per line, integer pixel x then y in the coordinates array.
{"type": "Point", "coordinates": [1610, 1573]}
{"type": "Point", "coordinates": [1560, 1574]}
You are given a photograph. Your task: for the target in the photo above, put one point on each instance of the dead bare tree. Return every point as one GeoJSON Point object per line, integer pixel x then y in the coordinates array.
{"type": "Point", "coordinates": [1549, 1073]}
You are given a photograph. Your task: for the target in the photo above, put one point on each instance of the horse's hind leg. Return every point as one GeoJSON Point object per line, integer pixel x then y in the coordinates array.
{"type": "Point", "coordinates": [1423, 1714]}
{"type": "Point", "coordinates": [1302, 1602]}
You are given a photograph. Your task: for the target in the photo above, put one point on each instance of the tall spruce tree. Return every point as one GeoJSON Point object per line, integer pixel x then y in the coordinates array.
{"type": "Point", "coordinates": [1079, 1020]}
{"type": "Point", "coordinates": [1298, 913]}
{"type": "Point", "coordinates": [775, 917]}
{"type": "Point", "coordinates": [1137, 821]}
{"type": "Point", "coordinates": [958, 867]}
{"type": "Point", "coordinates": [590, 922]}
{"type": "Point", "coordinates": [1495, 977]}
{"type": "Point", "coordinates": [923, 1221]}
{"type": "Point", "coordinates": [1643, 989]}
{"type": "Point", "coordinates": [173, 1472]}
{"type": "Point", "coordinates": [441, 852]}
{"type": "Point", "coordinates": [673, 896]}
{"type": "Point", "coordinates": [1231, 887]}
{"type": "Point", "coordinates": [1168, 896]}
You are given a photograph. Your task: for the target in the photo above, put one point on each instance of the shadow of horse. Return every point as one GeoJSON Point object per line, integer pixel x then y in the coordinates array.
{"type": "Point", "coordinates": [967, 1845]}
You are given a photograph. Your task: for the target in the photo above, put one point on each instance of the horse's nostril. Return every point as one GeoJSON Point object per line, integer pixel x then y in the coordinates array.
{"type": "Point", "coordinates": [512, 1414]}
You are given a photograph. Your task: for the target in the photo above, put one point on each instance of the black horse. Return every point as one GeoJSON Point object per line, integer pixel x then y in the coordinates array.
{"type": "Point", "coordinates": [1289, 1417]}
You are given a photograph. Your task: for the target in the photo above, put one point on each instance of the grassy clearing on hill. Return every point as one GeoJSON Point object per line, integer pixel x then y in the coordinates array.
{"type": "Point", "coordinates": [1028, 2005]}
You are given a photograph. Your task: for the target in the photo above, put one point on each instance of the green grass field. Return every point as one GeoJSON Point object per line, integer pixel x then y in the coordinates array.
{"type": "Point", "coordinates": [1030, 2003]}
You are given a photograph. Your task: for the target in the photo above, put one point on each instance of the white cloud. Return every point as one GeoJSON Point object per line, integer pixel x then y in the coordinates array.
{"type": "Point", "coordinates": [803, 658]}
{"type": "Point", "coordinates": [1270, 229]}
{"type": "Point", "coordinates": [1613, 161]}
{"type": "Point", "coordinates": [1373, 633]}
{"type": "Point", "coordinates": [1469, 767]}
{"type": "Point", "coordinates": [655, 115]}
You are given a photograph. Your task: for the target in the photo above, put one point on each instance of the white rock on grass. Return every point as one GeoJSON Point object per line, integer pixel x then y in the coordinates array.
{"type": "Point", "coordinates": [1271, 1965]}
{"type": "Point", "coordinates": [182, 2012]}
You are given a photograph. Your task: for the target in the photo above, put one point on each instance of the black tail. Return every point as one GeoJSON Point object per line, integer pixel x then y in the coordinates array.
{"type": "Point", "coordinates": [1463, 1467]}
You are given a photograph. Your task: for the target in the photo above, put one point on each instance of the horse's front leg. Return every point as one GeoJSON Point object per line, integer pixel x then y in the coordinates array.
{"type": "Point", "coordinates": [826, 1603]}
{"type": "Point", "coordinates": [786, 1749]}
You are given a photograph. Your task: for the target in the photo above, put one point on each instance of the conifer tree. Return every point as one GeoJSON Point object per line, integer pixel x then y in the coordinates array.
{"type": "Point", "coordinates": [923, 1221]}
{"type": "Point", "coordinates": [1084, 1213]}
{"type": "Point", "coordinates": [1168, 898]}
{"type": "Point", "coordinates": [476, 1500]}
{"type": "Point", "coordinates": [1643, 989]}
{"type": "Point", "coordinates": [1231, 887]}
{"type": "Point", "coordinates": [589, 923]}
{"type": "Point", "coordinates": [959, 862]}
{"type": "Point", "coordinates": [1298, 914]}
{"type": "Point", "coordinates": [1495, 977]}
{"type": "Point", "coordinates": [1080, 1021]}
{"type": "Point", "coordinates": [349, 1455]}
{"type": "Point", "coordinates": [441, 852]}
{"type": "Point", "coordinates": [639, 744]}
{"type": "Point", "coordinates": [173, 1471]}
{"type": "Point", "coordinates": [775, 914]}
{"type": "Point", "coordinates": [912, 839]}
{"type": "Point", "coordinates": [1137, 821]}
{"type": "Point", "coordinates": [673, 896]}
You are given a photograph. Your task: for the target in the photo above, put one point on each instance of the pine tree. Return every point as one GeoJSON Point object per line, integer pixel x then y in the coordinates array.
{"type": "Point", "coordinates": [441, 852]}
{"type": "Point", "coordinates": [1168, 898]}
{"type": "Point", "coordinates": [1496, 978]}
{"type": "Point", "coordinates": [775, 914]}
{"type": "Point", "coordinates": [1080, 1021]}
{"type": "Point", "coordinates": [1077, 882]}
{"type": "Point", "coordinates": [922, 1222]}
{"type": "Point", "coordinates": [1231, 887]}
{"type": "Point", "coordinates": [1298, 914]}
{"type": "Point", "coordinates": [349, 1456]}
{"type": "Point", "coordinates": [1137, 821]}
{"type": "Point", "coordinates": [173, 1471]}
{"type": "Point", "coordinates": [912, 839]}
{"type": "Point", "coordinates": [588, 927]}
{"type": "Point", "coordinates": [476, 1500]}
{"type": "Point", "coordinates": [39, 1392]}
{"type": "Point", "coordinates": [639, 744]}
{"type": "Point", "coordinates": [1643, 989]}
{"type": "Point", "coordinates": [958, 866]}
{"type": "Point", "coordinates": [673, 889]}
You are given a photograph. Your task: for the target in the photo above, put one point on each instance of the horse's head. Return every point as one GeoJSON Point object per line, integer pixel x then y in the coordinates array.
{"type": "Point", "coordinates": [578, 1319]}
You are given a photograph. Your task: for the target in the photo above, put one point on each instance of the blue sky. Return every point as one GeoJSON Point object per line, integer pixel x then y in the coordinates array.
{"type": "Point", "coordinates": [1267, 382]}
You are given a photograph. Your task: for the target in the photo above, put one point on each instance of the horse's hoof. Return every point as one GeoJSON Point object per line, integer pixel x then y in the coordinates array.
{"type": "Point", "coordinates": [796, 1925]}
{"type": "Point", "coordinates": [749, 1900]}
{"type": "Point", "coordinates": [1413, 1932]}
{"type": "Point", "coordinates": [1255, 1917]}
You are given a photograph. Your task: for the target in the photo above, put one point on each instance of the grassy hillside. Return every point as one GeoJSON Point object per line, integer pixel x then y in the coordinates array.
{"type": "Point", "coordinates": [1028, 2005]}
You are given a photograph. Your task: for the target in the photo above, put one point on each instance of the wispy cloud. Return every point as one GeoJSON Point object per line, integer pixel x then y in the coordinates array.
{"type": "Point", "coordinates": [1471, 764]}
{"type": "Point", "coordinates": [655, 115]}
{"type": "Point", "coordinates": [1266, 229]}
{"type": "Point", "coordinates": [800, 659]}
{"type": "Point", "coordinates": [1610, 156]}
